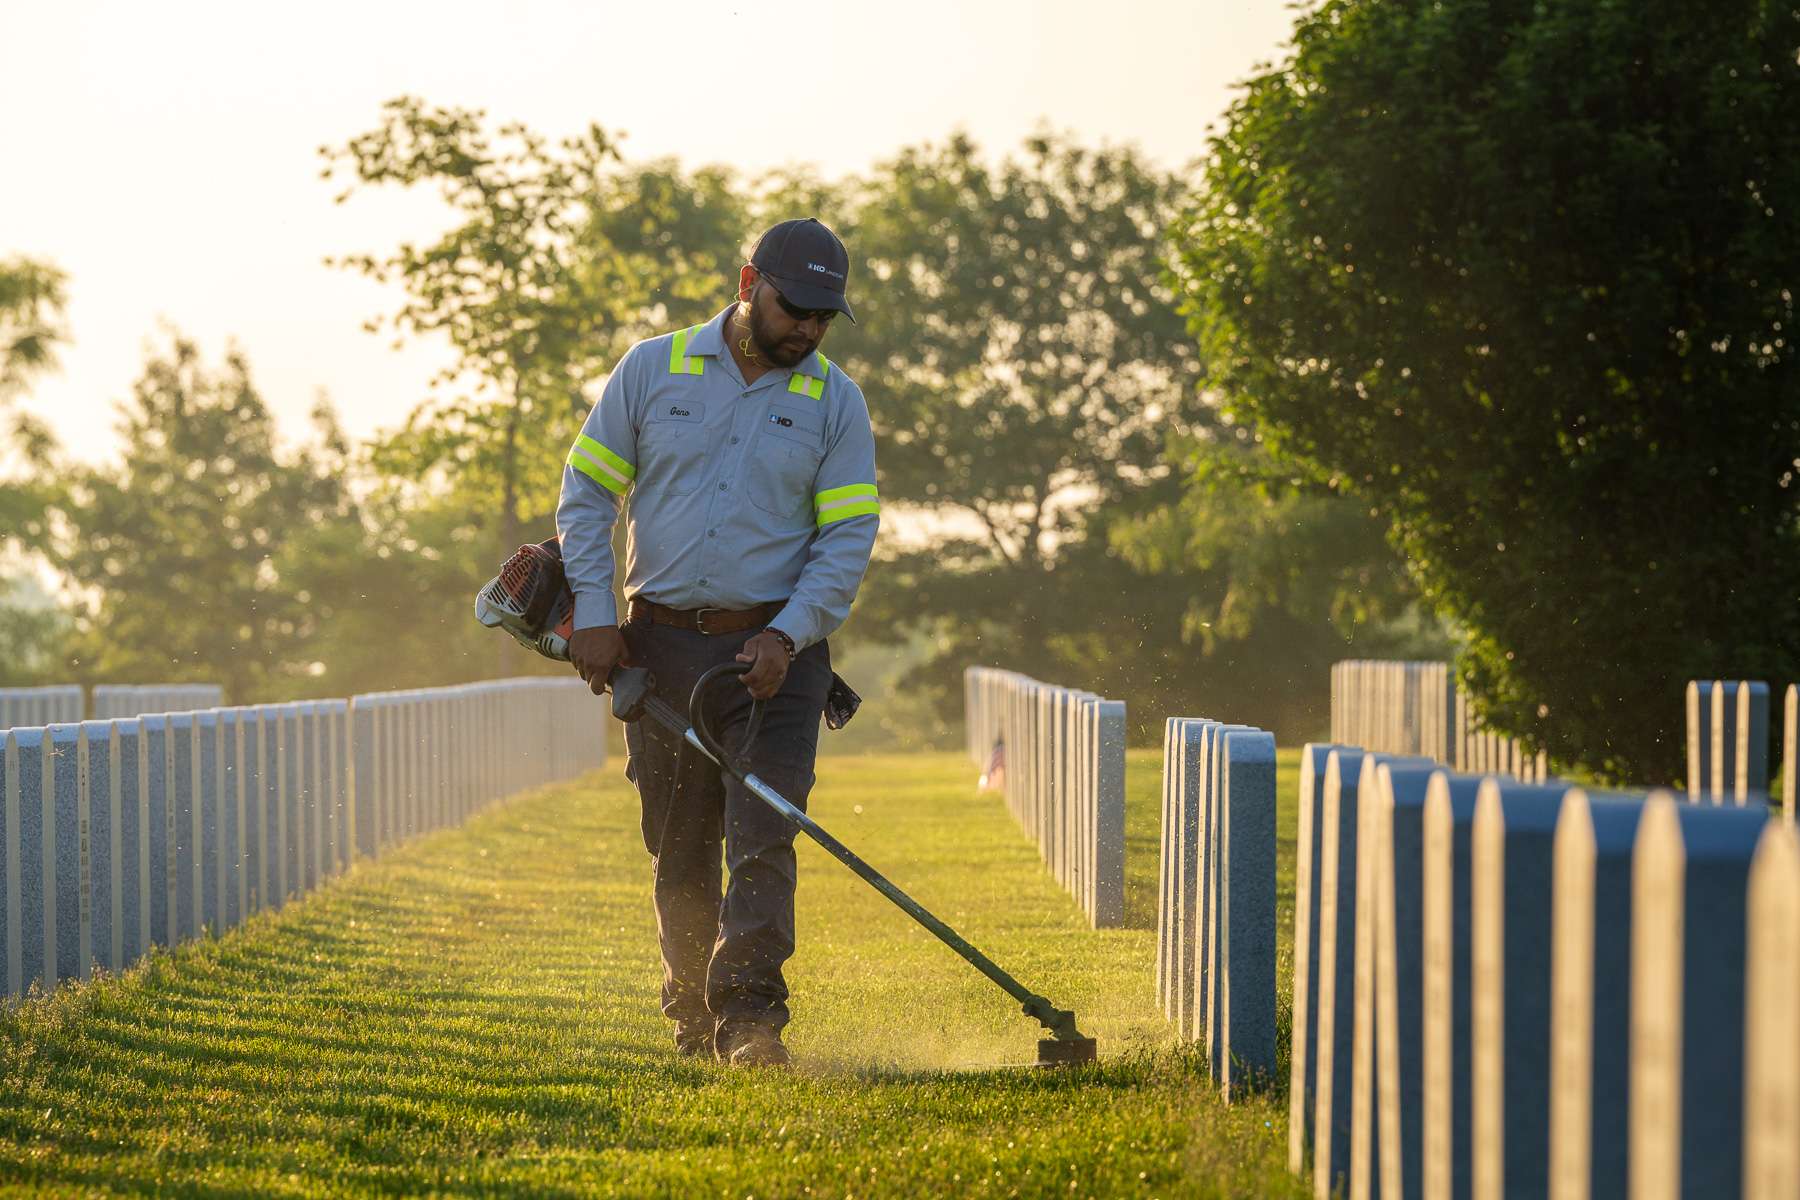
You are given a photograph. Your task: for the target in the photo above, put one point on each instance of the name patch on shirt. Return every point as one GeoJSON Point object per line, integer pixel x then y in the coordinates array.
{"type": "Point", "coordinates": [678, 411]}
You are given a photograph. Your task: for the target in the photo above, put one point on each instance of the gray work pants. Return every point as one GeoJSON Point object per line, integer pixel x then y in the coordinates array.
{"type": "Point", "coordinates": [722, 955]}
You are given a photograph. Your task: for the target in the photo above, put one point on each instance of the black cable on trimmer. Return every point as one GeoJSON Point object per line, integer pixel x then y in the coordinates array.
{"type": "Point", "coordinates": [634, 696]}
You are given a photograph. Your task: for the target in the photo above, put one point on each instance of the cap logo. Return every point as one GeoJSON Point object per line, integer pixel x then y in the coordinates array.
{"type": "Point", "coordinates": [825, 270]}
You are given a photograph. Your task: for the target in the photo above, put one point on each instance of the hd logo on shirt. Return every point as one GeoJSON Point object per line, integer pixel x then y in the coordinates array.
{"type": "Point", "coordinates": [784, 422]}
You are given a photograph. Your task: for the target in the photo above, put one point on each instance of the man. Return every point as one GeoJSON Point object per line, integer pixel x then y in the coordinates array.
{"type": "Point", "coordinates": [751, 467]}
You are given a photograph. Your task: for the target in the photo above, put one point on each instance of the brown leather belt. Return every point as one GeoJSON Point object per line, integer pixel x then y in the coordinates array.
{"type": "Point", "coordinates": [705, 620]}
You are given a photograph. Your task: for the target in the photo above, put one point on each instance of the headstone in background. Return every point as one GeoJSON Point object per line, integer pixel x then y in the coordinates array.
{"type": "Point", "coordinates": [134, 842]}
{"type": "Point", "coordinates": [1372, 823]}
{"type": "Point", "coordinates": [340, 844]}
{"type": "Point", "coordinates": [184, 803]}
{"type": "Point", "coordinates": [297, 717]}
{"type": "Point", "coordinates": [1337, 957]}
{"type": "Point", "coordinates": [65, 855]}
{"type": "Point", "coordinates": [1771, 981]}
{"type": "Point", "coordinates": [1209, 904]}
{"type": "Point", "coordinates": [100, 750]}
{"type": "Point", "coordinates": [1511, 858]}
{"type": "Point", "coordinates": [1399, 830]}
{"type": "Point", "coordinates": [1247, 923]}
{"type": "Point", "coordinates": [1790, 746]}
{"type": "Point", "coordinates": [275, 804]}
{"type": "Point", "coordinates": [1689, 912]}
{"type": "Point", "coordinates": [1303, 1063]}
{"type": "Point", "coordinates": [1750, 753]}
{"type": "Point", "coordinates": [1590, 995]}
{"type": "Point", "coordinates": [293, 816]}
{"type": "Point", "coordinates": [36, 855]}
{"type": "Point", "coordinates": [1699, 738]}
{"type": "Point", "coordinates": [1179, 869]}
{"type": "Point", "coordinates": [365, 780]}
{"type": "Point", "coordinates": [232, 889]}
{"type": "Point", "coordinates": [256, 808]}
{"type": "Point", "coordinates": [210, 843]}
{"type": "Point", "coordinates": [1445, 1125]}
{"type": "Point", "coordinates": [1109, 815]}
{"type": "Point", "coordinates": [159, 819]}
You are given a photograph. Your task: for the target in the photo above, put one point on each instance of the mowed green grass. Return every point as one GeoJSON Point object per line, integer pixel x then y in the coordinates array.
{"type": "Point", "coordinates": [475, 1014]}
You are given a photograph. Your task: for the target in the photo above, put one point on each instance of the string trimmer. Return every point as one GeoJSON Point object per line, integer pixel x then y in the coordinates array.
{"type": "Point", "coordinates": [530, 592]}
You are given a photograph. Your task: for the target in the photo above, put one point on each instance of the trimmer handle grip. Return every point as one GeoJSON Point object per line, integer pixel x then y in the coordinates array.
{"type": "Point", "coordinates": [630, 687]}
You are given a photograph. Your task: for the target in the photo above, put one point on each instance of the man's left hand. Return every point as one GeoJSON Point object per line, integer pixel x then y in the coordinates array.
{"type": "Point", "coordinates": [770, 657]}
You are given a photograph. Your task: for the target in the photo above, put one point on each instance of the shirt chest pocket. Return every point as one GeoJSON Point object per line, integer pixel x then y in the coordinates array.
{"type": "Point", "coordinates": [784, 463]}
{"type": "Point", "coordinates": [672, 446]}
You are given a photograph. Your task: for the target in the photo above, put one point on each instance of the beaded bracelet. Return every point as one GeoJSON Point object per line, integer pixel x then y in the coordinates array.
{"type": "Point", "coordinates": [785, 641]}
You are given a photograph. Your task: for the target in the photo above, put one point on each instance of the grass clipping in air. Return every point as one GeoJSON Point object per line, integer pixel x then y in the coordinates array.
{"type": "Point", "coordinates": [477, 1013]}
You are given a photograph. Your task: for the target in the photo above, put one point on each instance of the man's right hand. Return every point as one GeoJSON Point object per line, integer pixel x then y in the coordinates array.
{"type": "Point", "coordinates": [595, 651]}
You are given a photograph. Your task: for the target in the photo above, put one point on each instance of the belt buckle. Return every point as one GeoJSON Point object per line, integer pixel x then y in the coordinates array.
{"type": "Point", "coordinates": [700, 619]}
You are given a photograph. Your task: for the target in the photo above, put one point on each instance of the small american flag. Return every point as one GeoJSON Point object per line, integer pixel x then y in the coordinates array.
{"type": "Point", "coordinates": [994, 778]}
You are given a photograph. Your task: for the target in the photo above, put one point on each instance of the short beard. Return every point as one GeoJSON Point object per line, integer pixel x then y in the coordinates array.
{"type": "Point", "coordinates": [767, 347]}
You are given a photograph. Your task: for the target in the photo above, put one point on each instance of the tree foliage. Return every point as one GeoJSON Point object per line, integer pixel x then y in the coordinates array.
{"type": "Point", "coordinates": [497, 285]}
{"type": "Point", "coordinates": [33, 297]}
{"type": "Point", "coordinates": [559, 259]}
{"type": "Point", "coordinates": [181, 552]}
{"type": "Point", "coordinates": [1025, 365]}
{"type": "Point", "coordinates": [1522, 276]}
{"type": "Point", "coordinates": [1255, 543]}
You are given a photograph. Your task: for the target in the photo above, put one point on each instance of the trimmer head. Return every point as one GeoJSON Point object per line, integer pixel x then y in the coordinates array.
{"type": "Point", "coordinates": [1067, 1052]}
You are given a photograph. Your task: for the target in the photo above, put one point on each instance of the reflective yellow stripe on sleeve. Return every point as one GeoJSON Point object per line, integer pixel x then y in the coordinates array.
{"type": "Point", "coordinates": [853, 500]}
{"type": "Point", "coordinates": [601, 465]}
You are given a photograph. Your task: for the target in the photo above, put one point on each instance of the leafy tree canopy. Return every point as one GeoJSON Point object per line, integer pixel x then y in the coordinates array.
{"type": "Point", "coordinates": [1522, 276]}
{"type": "Point", "coordinates": [179, 549]}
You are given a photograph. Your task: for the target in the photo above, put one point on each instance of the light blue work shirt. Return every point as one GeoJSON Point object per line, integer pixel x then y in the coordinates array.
{"type": "Point", "coordinates": [740, 493]}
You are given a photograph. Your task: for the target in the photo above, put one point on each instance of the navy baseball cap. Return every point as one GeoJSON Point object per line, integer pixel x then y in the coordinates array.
{"type": "Point", "coordinates": [807, 263]}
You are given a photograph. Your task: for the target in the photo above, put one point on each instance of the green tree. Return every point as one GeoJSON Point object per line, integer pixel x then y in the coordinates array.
{"type": "Point", "coordinates": [33, 634]}
{"type": "Point", "coordinates": [179, 549]}
{"type": "Point", "coordinates": [33, 298]}
{"type": "Point", "coordinates": [561, 258]}
{"type": "Point", "coordinates": [1025, 365]}
{"type": "Point", "coordinates": [496, 285]}
{"type": "Point", "coordinates": [1278, 579]}
{"type": "Point", "coordinates": [1521, 276]}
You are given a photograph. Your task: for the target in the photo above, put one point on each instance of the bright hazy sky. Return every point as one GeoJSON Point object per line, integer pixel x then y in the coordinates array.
{"type": "Point", "coordinates": [165, 155]}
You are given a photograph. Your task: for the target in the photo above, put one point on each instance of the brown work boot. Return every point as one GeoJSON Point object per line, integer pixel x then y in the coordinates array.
{"type": "Point", "coordinates": [694, 1037]}
{"type": "Point", "coordinates": [752, 1044]}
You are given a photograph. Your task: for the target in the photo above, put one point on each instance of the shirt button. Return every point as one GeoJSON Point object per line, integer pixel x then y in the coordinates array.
{"type": "Point", "coordinates": [724, 486]}
{"type": "Point", "coordinates": [712, 533]}
{"type": "Point", "coordinates": [703, 583]}
{"type": "Point", "coordinates": [734, 441]}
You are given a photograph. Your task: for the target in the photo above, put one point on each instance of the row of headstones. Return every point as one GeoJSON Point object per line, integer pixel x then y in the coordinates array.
{"type": "Point", "coordinates": [40, 705]}
{"type": "Point", "coordinates": [1506, 989]}
{"type": "Point", "coordinates": [120, 835]}
{"type": "Point", "coordinates": [1728, 741]}
{"type": "Point", "coordinates": [133, 699]}
{"type": "Point", "coordinates": [1216, 925]}
{"type": "Point", "coordinates": [1064, 778]}
{"type": "Point", "coordinates": [63, 703]}
{"type": "Point", "coordinates": [1415, 708]}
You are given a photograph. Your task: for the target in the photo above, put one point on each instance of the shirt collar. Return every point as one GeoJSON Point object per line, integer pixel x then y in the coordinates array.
{"type": "Point", "coordinates": [709, 339]}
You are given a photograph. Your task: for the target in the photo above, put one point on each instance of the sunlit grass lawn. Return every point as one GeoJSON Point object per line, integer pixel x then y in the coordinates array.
{"type": "Point", "coordinates": [476, 1014]}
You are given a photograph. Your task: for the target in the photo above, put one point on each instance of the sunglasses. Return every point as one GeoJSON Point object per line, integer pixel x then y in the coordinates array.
{"type": "Point", "coordinates": [822, 315]}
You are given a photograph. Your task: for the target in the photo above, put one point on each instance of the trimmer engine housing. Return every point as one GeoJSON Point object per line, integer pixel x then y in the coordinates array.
{"type": "Point", "coordinates": [530, 599]}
